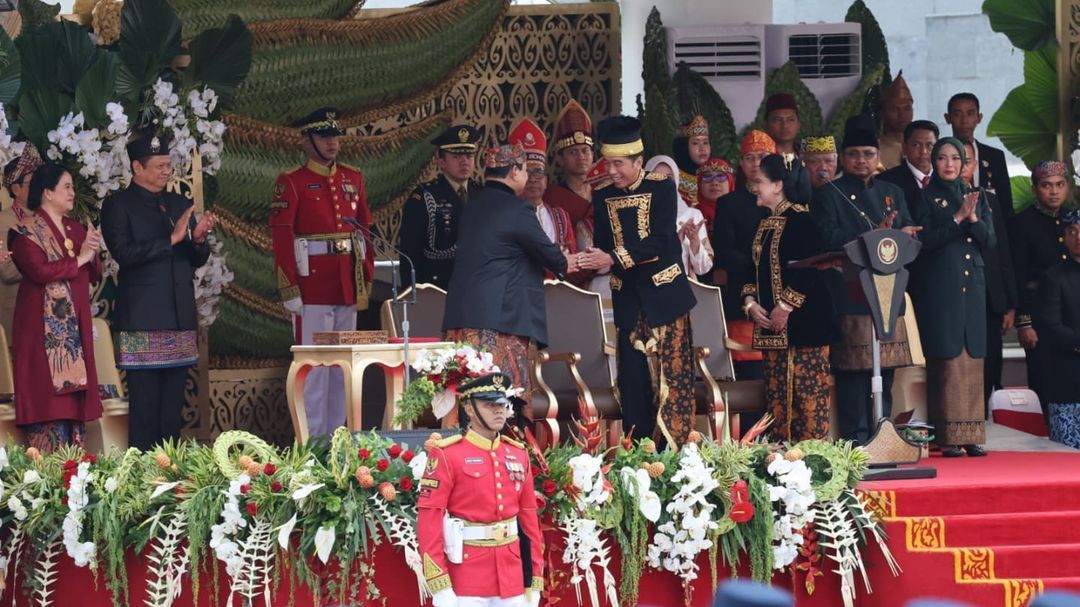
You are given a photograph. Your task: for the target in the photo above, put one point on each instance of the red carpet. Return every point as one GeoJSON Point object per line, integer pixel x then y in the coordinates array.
{"type": "Point", "coordinates": [990, 531]}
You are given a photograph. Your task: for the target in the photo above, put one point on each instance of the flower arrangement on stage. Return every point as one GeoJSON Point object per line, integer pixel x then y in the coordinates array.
{"type": "Point", "coordinates": [441, 371]}
{"type": "Point", "coordinates": [313, 514]}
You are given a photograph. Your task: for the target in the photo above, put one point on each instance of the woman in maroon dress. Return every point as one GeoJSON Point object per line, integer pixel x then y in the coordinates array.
{"type": "Point", "coordinates": [56, 388]}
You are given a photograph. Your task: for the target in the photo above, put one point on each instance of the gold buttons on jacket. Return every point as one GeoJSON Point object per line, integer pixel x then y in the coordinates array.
{"type": "Point", "coordinates": [968, 239]}
{"type": "Point", "coordinates": [966, 273]}
{"type": "Point", "coordinates": [500, 507]}
{"type": "Point", "coordinates": [968, 256]}
{"type": "Point", "coordinates": [498, 485]}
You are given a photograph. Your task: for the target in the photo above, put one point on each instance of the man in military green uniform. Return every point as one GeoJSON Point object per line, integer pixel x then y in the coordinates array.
{"type": "Point", "coordinates": [429, 220]}
{"type": "Point", "coordinates": [844, 208]}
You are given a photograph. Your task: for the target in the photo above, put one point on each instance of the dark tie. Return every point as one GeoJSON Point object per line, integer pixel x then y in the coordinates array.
{"type": "Point", "coordinates": [925, 182]}
{"type": "Point", "coordinates": [463, 193]}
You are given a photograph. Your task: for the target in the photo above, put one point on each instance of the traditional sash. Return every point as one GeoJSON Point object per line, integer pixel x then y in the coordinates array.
{"type": "Point", "coordinates": [63, 342]}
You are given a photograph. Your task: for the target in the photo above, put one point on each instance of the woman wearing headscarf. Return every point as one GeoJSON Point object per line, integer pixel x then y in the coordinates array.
{"type": "Point", "coordinates": [948, 289]}
{"type": "Point", "coordinates": [691, 149]}
{"type": "Point", "coordinates": [56, 388]}
{"type": "Point", "coordinates": [791, 309]}
{"type": "Point", "coordinates": [691, 225]}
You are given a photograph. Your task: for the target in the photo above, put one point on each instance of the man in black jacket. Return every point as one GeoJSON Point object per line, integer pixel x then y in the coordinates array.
{"type": "Point", "coordinates": [496, 295]}
{"type": "Point", "coordinates": [1000, 283]}
{"type": "Point", "coordinates": [914, 171]}
{"type": "Point", "coordinates": [1058, 323]}
{"type": "Point", "coordinates": [991, 172]}
{"type": "Point", "coordinates": [155, 239]}
{"type": "Point", "coordinates": [1037, 238]}
{"type": "Point", "coordinates": [635, 237]}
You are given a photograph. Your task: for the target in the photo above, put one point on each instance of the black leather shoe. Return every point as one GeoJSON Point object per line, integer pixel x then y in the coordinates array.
{"type": "Point", "coordinates": [975, 451]}
{"type": "Point", "coordinates": [952, 452]}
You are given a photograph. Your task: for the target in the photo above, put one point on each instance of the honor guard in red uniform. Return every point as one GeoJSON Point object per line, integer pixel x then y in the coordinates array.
{"type": "Point", "coordinates": [324, 266]}
{"type": "Point", "coordinates": [477, 524]}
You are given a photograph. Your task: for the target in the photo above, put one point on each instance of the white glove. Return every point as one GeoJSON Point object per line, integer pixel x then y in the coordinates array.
{"type": "Point", "coordinates": [445, 598]}
{"type": "Point", "coordinates": [294, 305]}
{"type": "Point", "coordinates": [532, 597]}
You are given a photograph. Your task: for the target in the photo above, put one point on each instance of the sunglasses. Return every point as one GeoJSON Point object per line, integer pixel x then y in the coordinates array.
{"type": "Point", "coordinates": [714, 177]}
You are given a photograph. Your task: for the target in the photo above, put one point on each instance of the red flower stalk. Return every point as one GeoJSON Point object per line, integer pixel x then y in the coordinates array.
{"type": "Point", "coordinates": [252, 508]}
{"type": "Point", "coordinates": [244, 489]}
{"type": "Point", "coordinates": [406, 483]}
{"type": "Point", "coordinates": [70, 465]}
{"type": "Point", "coordinates": [269, 469]}
{"type": "Point", "coordinates": [407, 456]}
{"type": "Point", "coordinates": [382, 465]}
{"type": "Point", "coordinates": [275, 486]}
{"type": "Point", "coordinates": [364, 454]}
{"type": "Point", "coordinates": [395, 450]}
{"type": "Point", "coordinates": [90, 457]}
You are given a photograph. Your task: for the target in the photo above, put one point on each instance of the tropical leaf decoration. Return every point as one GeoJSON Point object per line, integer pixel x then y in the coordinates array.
{"type": "Point", "coordinates": [1027, 121]}
{"type": "Point", "coordinates": [703, 99]}
{"type": "Point", "coordinates": [10, 68]}
{"type": "Point", "coordinates": [855, 102]}
{"type": "Point", "coordinates": [786, 79]}
{"type": "Point", "coordinates": [1029, 24]}
{"type": "Point", "coordinates": [300, 65]}
{"type": "Point", "coordinates": [35, 13]}
{"type": "Point", "coordinates": [201, 15]}
{"type": "Point", "coordinates": [875, 50]}
{"type": "Point", "coordinates": [658, 120]}
{"type": "Point", "coordinates": [149, 41]}
{"type": "Point", "coordinates": [220, 58]}
{"type": "Point", "coordinates": [1022, 194]}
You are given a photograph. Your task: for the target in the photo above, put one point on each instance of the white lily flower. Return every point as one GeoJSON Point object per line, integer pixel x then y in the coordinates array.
{"type": "Point", "coordinates": [306, 490]}
{"type": "Point", "coordinates": [324, 542]}
{"type": "Point", "coordinates": [163, 488]}
{"type": "Point", "coordinates": [285, 531]}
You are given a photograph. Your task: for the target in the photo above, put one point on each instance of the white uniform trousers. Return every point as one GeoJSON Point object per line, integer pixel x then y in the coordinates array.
{"type": "Point", "coordinates": [324, 390]}
{"type": "Point", "coordinates": [479, 601]}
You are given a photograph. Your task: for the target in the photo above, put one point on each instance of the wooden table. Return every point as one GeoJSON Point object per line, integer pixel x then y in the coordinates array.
{"type": "Point", "coordinates": [353, 360]}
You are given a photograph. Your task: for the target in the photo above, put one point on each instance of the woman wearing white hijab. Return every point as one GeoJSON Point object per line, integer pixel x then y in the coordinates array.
{"type": "Point", "coordinates": [697, 252]}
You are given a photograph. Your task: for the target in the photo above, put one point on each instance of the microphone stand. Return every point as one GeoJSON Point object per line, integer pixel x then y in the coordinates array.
{"type": "Point", "coordinates": [395, 284]}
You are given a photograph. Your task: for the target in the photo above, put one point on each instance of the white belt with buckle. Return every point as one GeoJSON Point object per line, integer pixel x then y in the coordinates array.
{"type": "Point", "coordinates": [338, 246]}
{"type": "Point", "coordinates": [495, 531]}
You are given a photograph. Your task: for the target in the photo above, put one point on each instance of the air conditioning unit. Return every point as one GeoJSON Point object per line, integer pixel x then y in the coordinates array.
{"type": "Point", "coordinates": [828, 55]}
{"type": "Point", "coordinates": [736, 58]}
{"type": "Point", "coordinates": [730, 57]}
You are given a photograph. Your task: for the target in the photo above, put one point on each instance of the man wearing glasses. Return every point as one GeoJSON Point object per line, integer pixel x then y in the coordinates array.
{"type": "Point", "coordinates": [844, 208]}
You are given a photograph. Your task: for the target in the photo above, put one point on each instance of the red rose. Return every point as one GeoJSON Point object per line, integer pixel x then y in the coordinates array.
{"type": "Point", "coordinates": [364, 454]}
{"type": "Point", "coordinates": [405, 483]}
{"type": "Point", "coordinates": [395, 450]}
{"type": "Point", "coordinates": [275, 486]}
{"type": "Point", "coordinates": [407, 456]}
{"type": "Point", "coordinates": [252, 508]}
{"type": "Point", "coordinates": [90, 457]}
{"type": "Point", "coordinates": [244, 489]}
{"type": "Point", "coordinates": [70, 465]}
{"type": "Point", "coordinates": [269, 469]}
{"type": "Point", "coordinates": [549, 488]}
{"type": "Point", "coordinates": [383, 465]}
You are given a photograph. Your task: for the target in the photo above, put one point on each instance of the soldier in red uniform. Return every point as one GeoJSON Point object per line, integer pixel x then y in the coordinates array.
{"type": "Point", "coordinates": [477, 525]}
{"type": "Point", "coordinates": [324, 267]}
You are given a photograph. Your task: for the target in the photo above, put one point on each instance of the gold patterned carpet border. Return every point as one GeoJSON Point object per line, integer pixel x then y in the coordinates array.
{"type": "Point", "coordinates": [971, 565]}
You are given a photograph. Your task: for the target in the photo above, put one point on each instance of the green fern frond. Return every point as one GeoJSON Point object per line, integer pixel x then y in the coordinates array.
{"type": "Point", "coordinates": [360, 64]}
{"type": "Point", "coordinates": [200, 15]}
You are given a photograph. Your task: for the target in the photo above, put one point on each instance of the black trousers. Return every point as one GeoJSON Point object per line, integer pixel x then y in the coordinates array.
{"type": "Point", "coordinates": [155, 401]}
{"type": "Point", "coordinates": [993, 361]}
{"type": "Point", "coordinates": [855, 399]}
{"type": "Point", "coordinates": [635, 389]}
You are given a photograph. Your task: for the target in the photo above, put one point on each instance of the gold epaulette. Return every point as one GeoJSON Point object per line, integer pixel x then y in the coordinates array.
{"type": "Point", "coordinates": [348, 166]}
{"type": "Point", "coordinates": [446, 442]}
{"type": "Point", "coordinates": [292, 170]}
{"type": "Point", "coordinates": [515, 443]}
{"type": "Point", "coordinates": [656, 177]}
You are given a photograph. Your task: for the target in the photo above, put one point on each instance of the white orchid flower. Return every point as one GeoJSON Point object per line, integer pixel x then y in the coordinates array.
{"type": "Point", "coordinates": [285, 531]}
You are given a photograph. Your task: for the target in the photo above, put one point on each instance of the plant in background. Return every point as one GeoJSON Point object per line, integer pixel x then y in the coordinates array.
{"type": "Point", "coordinates": [441, 371]}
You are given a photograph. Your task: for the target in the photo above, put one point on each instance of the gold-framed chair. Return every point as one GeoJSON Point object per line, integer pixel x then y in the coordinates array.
{"type": "Point", "coordinates": [112, 429]}
{"type": "Point", "coordinates": [582, 377]}
{"type": "Point", "coordinates": [718, 394]}
{"type": "Point", "coordinates": [425, 316]}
